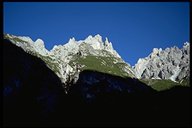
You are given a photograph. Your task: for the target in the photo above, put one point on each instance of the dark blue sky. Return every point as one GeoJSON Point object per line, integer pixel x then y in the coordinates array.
{"type": "Point", "coordinates": [133, 28]}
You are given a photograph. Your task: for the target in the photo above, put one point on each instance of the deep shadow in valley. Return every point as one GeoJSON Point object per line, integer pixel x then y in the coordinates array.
{"type": "Point", "coordinates": [33, 96]}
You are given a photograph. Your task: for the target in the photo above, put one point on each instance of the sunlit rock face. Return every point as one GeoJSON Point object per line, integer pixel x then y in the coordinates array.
{"type": "Point", "coordinates": [171, 63]}
{"type": "Point", "coordinates": [59, 58]}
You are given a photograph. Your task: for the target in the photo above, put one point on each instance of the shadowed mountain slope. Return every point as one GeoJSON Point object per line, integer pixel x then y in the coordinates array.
{"type": "Point", "coordinates": [33, 96]}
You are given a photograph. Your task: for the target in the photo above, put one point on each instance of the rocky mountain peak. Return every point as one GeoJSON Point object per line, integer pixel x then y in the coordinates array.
{"type": "Point", "coordinates": [39, 46]}
{"type": "Point", "coordinates": [98, 37]}
{"type": "Point", "coordinates": [95, 42]}
{"type": "Point", "coordinates": [155, 52]}
{"type": "Point", "coordinates": [106, 41]}
{"type": "Point", "coordinates": [186, 47]}
{"type": "Point", "coordinates": [71, 43]}
{"type": "Point", "coordinates": [186, 44]}
{"type": "Point", "coordinates": [171, 63]}
{"type": "Point", "coordinates": [95, 38]}
{"type": "Point", "coordinates": [24, 38]}
{"type": "Point", "coordinates": [39, 42]}
{"type": "Point", "coordinates": [72, 40]}
{"type": "Point", "coordinates": [59, 57]}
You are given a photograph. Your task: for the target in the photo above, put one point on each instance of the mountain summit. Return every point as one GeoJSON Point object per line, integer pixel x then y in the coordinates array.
{"type": "Point", "coordinates": [99, 85]}
{"type": "Point", "coordinates": [171, 63]}
{"type": "Point", "coordinates": [68, 60]}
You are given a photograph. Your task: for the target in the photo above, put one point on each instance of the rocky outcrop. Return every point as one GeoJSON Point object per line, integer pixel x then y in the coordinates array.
{"type": "Point", "coordinates": [33, 96]}
{"type": "Point", "coordinates": [58, 58]}
{"type": "Point", "coordinates": [171, 63]}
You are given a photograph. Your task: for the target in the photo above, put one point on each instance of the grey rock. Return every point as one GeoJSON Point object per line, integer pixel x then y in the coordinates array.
{"type": "Point", "coordinates": [171, 63]}
{"type": "Point", "coordinates": [58, 59]}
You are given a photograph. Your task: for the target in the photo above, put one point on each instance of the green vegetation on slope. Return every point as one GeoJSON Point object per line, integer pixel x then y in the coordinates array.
{"type": "Point", "coordinates": [101, 64]}
{"type": "Point", "coordinates": [161, 85]}
{"type": "Point", "coordinates": [50, 63]}
{"type": "Point", "coordinates": [48, 60]}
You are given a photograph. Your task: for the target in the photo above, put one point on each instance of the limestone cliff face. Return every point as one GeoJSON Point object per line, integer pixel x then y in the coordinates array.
{"type": "Point", "coordinates": [33, 94]}
{"type": "Point", "coordinates": [171, 63]}
{"type": "Point", "coordinates": [60, 57]}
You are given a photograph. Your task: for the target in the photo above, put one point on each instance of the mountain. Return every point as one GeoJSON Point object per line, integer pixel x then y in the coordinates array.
{"type": "Point", "coordinates": [169, 66]}
{"type": "Point", "coordinates": [33, 93]}
{"type": "Point", "coordinates": [171, 63]}
{"type": "Point", "coordinates": [69, 59]}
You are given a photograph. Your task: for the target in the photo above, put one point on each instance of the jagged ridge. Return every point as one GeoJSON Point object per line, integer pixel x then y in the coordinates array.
{"type": "Point", "coordinates": [69, 59]}
{"type": "Point", "coordinates": [171, 63]}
